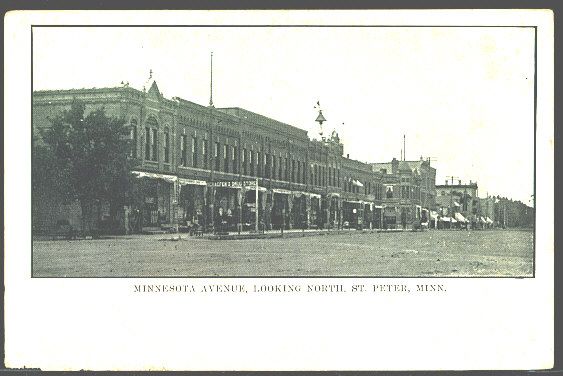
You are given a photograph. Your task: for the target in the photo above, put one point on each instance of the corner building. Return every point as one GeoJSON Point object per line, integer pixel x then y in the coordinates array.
{"type": "Point", "coordinates": [200, 164]}
{"type": "Point", "coordinates": [409, 191]}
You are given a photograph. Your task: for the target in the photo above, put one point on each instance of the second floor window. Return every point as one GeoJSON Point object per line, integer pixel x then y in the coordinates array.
{"type": "Point", "coordinates": [154, 144]}
{"type": "Point", "coordinates": [234, 155]}
{"type": "Point", "coordinates": [226, 158]}
{"type": "Point", "coordinates": [243, 162]}
{"type": "Point", "coordinates": [147, 143]}
{"type": "Point", "coordinates": [205, 152]}
{"type": "Point", "coordinates": [166, 147]}
{"type": "Point", "coordinates": [183, 150]}
{"type": "Point", "coordinates": [216, 156]}
{"type": "Point", "coordinates": [194, 151]}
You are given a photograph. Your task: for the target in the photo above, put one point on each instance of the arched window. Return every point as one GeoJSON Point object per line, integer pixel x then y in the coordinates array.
{"type": "Point", "coordinates": [151, 139]}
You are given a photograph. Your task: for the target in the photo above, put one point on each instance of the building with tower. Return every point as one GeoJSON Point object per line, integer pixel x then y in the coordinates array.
{"type": "Point", "coordinates": [409, 191]}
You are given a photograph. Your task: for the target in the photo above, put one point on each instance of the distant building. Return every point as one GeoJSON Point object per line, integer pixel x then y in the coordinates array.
{"type": "Point", "coordinates": [409, 190]}
{"type": "Point", "coordinates": [487, 210]}
{"type": "Point", "coordinates": [510, 213]}
{"type": "Point", "coordinates": [458, 198]}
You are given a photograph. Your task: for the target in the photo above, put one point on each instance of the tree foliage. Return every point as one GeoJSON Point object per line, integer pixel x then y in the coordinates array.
{"type": "Point", "coordinates": [85, 158]}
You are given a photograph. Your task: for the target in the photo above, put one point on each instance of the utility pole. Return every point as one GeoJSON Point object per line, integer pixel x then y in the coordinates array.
{"type": "Point", "coordinates": [256, 204]}
{"type": "Point", "coordinates": [452, 197]}
{"type": "Point", "coordinates": [212, 203]}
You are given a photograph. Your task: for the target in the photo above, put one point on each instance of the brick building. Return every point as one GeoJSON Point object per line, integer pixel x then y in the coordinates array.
{"type": "Point", "coordinates": [200, 164]}
{"type": "Point", "coordinates": [408, 190]}
{"type": "Point", "coordinates": [459, 198]}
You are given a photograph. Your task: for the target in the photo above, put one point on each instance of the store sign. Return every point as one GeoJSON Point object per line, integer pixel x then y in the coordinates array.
{"type": "Point", "coordinates": [183, 181]}
{"type": "Point", "coordinates": [234, 184]}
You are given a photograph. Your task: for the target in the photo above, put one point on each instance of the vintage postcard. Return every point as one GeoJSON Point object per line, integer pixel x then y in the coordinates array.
{"type": "Point", "coordinates": [279, 190]}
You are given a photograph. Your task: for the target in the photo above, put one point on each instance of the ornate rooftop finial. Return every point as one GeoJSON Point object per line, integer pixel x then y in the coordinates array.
{"type": "Point", "coordinates": [148, 84]}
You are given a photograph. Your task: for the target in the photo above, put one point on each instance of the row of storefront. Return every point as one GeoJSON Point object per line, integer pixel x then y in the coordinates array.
{"type": "Point", "coordinates": [170, 201]}
{"type": "Point", "coordinates": [232, 169]}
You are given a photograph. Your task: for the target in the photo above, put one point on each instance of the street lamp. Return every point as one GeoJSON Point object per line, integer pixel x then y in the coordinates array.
{"type": "Point", "coordinates": [320, 119]}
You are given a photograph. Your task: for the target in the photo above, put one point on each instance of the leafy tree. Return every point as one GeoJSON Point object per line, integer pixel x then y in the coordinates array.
{"type": "Point", "coordinates": [85, 158]}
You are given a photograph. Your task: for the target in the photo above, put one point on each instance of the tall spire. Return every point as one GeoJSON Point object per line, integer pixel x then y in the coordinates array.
{"type": "Point", "coordinates": [404, 148]}
{"type": "Point", "coordinates": [211, 83]}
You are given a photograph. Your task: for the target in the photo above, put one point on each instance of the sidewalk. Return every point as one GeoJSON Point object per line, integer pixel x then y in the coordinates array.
{"type": "Point", "coordinates": [232, 235]}
{"type": "Point", "coordinates": [293, 233]}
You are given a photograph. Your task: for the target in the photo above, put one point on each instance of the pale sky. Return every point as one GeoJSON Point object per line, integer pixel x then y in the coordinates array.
{"type": "Point", "coordinates": [463, 96]}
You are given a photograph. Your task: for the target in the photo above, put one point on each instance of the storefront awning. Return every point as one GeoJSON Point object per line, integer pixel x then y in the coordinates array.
{"type": "Point", "coordinates": [357, 183]}
{"type": "Point", "coordinates": [253, 188]}
{"type": "Point", "coordinates": [183, 181]}
{"type": "Point", "coordinates": [456, 203]}
{"type": "Point", "coordinates": [482, 220]}
{"type": "Point", "coordinates": [445, 219]}
{"type": "Point", "coordinates": [489, 220]}
{"type": "Point", "coordinates": [460, 218]}
{"type": "Point", "coordinates": [152, 175]}
{"type": "Point", "coordinates": [282, 191]}
{"type": "Point", "coordinates": [377, 207]}
{"type": "Point", "coordinates": [313, 195]}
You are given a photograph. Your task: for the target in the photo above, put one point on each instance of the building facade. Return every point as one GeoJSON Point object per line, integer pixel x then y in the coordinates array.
{"type": "Point", "coordinates": [219, 167]}
{"type": "Point", "coordinates": [458, 201]}
{"type": "Point", "coordinates": [409, 191]}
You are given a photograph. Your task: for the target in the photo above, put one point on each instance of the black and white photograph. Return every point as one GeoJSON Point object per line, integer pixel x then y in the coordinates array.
{"type": "Point", "coordinates": [279, 190]}
{"type": "Point", "coordinates": [230, 151]}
